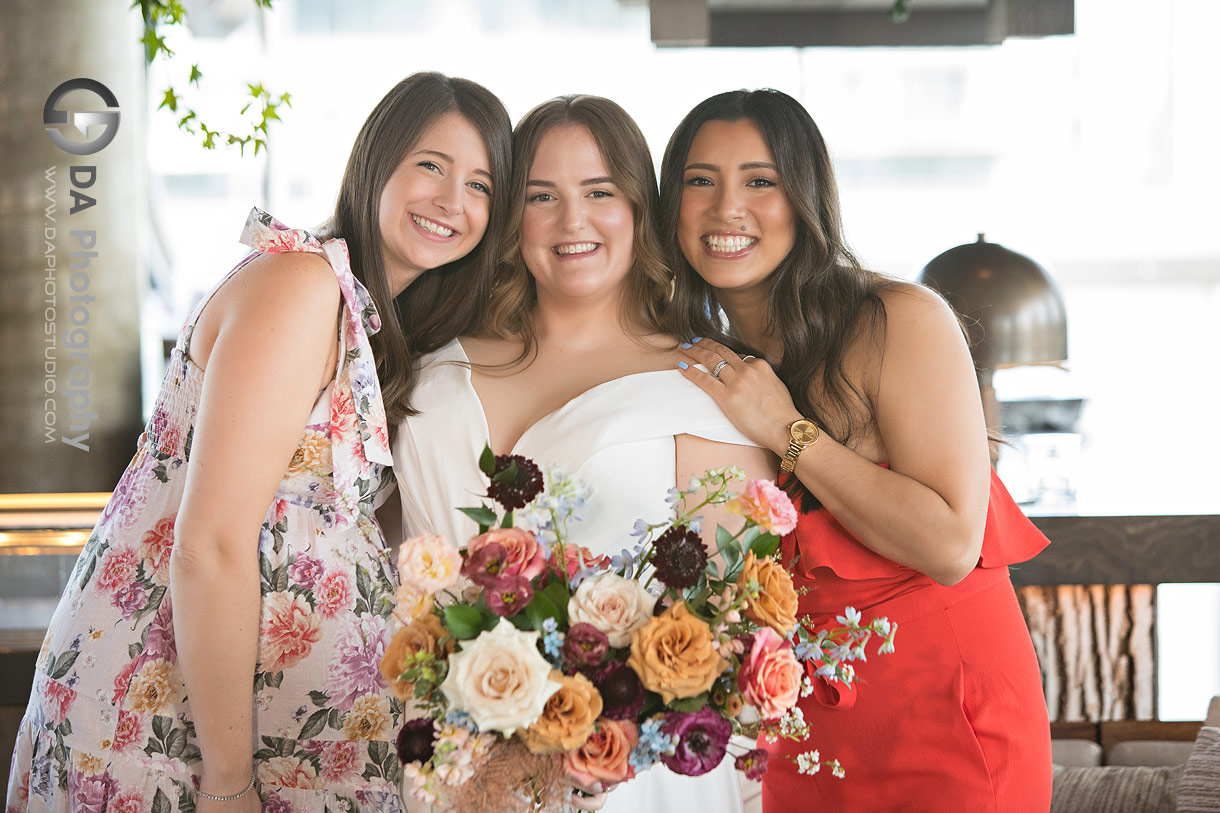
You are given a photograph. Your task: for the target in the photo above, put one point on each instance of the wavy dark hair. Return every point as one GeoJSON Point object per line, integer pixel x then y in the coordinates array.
{"type": "Point", "coordinates": [445, 302]}
{"type": "Point", "coordinates": [820, 299]}
{"type": "Point", "coordinates": [629, 162]}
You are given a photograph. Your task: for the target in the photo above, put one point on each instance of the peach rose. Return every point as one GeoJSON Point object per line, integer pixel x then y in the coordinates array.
{"type": "Point", "coordinates": [615, 605]}
{"type": "Point", "coordinates": [578, 557]}
{"type": "Point", "coordinates": [289, 772]}
{"type": "Point", "coordinates": [410, 604]}
{"type": "Point", "coordinates": [428, 564]}
{"type": "Point", "coordinates": [675, 654]}
{"type": "Point", "coordinates": [155, 548]}
{"type": "Point", "coordinates": [567, 718]}
{"type": "Point", "coordinates": [767, 505]}
{"type": "Point", "coordinates": [152, 688]}
{"type": "Point", "coordinates": [525, 557]}
{"type": "Point", "coordinates": [775, 605]}
{"type": "Point", "coordinates": [770, 677]}
{"type": "Point", "coordinates": [290, 629]}
{"type": "Point", "coordinates": [421, 635]}
{"type": "Point", "coordinates": [605, 755]}
{"type": "Point", "coordinates": [368, 718]}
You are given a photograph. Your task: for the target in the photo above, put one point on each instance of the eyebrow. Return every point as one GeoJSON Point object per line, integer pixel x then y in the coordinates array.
{"type": "Point", "coordinates": [749, 165]}
{"type": "Point", "coordinates": [449, 158]}
{"type": "Point", "coordinates": [586, 182]}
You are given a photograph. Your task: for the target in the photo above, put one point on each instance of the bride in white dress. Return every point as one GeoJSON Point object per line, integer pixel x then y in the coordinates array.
{"type": "Point", "coordinates": [576, 370]}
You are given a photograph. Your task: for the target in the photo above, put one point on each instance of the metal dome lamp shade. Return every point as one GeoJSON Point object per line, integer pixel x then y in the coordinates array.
{"type": "Point", "coordinates": [1012, 308]}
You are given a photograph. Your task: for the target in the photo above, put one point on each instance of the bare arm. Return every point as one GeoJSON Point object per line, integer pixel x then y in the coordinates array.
{"type": "Point", "coordinates": [276, 330]}
{"type": "Point", "coordinates": [927, 511]}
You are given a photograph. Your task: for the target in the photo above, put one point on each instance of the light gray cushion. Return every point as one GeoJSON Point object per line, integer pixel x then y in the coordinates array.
{"type": "Point", "coordinates": [1115, 789]}
{"type": "Point", "coordinates": [1199, 791]}
{"type": "Point", "coordinates": [1076, 753]}
{"type": "Point", "coordinates": [1149, 753]}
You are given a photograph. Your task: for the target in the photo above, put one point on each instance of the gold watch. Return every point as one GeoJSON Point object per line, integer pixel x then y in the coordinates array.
{"type": "Point", "coordinates": [801, 433]}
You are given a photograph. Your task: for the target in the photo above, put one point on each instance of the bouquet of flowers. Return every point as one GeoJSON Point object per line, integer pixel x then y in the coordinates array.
{"type": "Point", "coordinates": [537, 665]}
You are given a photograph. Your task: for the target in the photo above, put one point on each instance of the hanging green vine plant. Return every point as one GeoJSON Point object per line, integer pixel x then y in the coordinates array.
{"type": "Point", "coordinates": [161, 16]}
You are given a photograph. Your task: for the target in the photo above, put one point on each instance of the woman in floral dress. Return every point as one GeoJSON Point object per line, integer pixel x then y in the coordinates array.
{"type": "Point", "coordinates": [218, 644]}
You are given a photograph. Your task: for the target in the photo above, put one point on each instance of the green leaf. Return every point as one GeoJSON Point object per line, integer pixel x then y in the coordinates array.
{"type": "Point", "coordinates": [196, 75]}
{"type": "Point", "coordinates": [175, 743]}
{"type": "Point", "coordinates": [320, 699]}
{"type": "Point", "coordinates": [487, 461]}
{"type": "Point", "coordinates": [540, 609]}
{"type": "Point", "coordinates": [509, 475]}
{"type": "Point", "coordinates": [63, 664]}
{"type": "Point", "coordinates": [689, 703]}
{"type": "Point", "coordinates": [765, 545]}
{"type": "Point", "coordinates": [314, 725]}
{"type": "Point", "coordinates": [161, 726]}
{"type": "Point", "coordinates": [723, 537]}
{"type": "Point", "coordinates": [463, 621]}
{"type": "Point", "coordinates": [712, 569]}
{"type": "Point", "coordinates": [483, 515]}
{"type": "Point", "coordinates": [170, 100]}
{"type": "Point", "coordinates": [186, 797]}
{"type": "Point", "coordinates": [161, 803]}
{"type": "Point", "coordinates": [364, 585]}
{"type": "Point", "coordinates": [378, 750]}
{"type": "Point", "coordinates": [557, 591]}
{"type": "Point", "coordinates": [507, 522]}
{"type": "Point", "coordinates": [335, 720]}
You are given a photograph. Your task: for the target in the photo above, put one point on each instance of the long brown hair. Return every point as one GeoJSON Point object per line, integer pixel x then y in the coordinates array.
{"type": "Point", "coordinates": [629, 162]}
{"type": "Point", "coordinates": [445, 302]}
{"type": "Point", "coordinates": [820, 299]}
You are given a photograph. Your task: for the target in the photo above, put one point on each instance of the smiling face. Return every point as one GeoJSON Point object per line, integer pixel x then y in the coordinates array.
{"type": "Point", "coordinates": [735, 224]}
{"type": "Point", "coordinates": [435, 207]}
{"type": "Point", "coordinates": [577, 227]}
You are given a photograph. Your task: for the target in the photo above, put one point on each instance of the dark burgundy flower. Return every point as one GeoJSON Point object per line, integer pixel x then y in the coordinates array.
{"type": "Point", "coordinates": [753, 764]}
{"type": "Point", "coordinates": [680, 557]}
{"type": "Point", "coordinates": [621, 690]}
{"type": "Point", "coordinates": [486, 565]}
{"type": "Point", "coordinates": [585, 645]}
{"type": "Point", "coordinates": [416, 740]}
{"type": "Point", "coordinates": [516, 481]}
{"type": "Point", "coordinates": [702, 736]}
{"type": "Point", "coordinates": [509, 595]}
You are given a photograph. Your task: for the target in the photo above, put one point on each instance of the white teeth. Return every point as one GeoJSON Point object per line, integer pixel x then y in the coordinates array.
{"type": "Point", "coordinates": [729, 244]}
{"type": "Point", "coordinates": [427, 225]}
{"type": "Point", "coordinates": [575, 248]}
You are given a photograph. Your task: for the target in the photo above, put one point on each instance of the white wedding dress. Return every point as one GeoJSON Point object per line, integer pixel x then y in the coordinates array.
{"type": "Point", "coordinates": [618, 438]}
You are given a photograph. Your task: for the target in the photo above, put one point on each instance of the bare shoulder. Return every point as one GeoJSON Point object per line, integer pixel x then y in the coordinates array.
{"type": "Point", "coordinates": [295, 279]}
{"type": "Point", "coordinates": [911, 306]}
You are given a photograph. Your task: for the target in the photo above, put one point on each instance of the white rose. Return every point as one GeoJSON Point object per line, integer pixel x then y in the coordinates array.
{"type": "Point", "coordinates": [428, 564]}
{"type": "Point", "coordinates": [615, 605]}
{"type": "Point", "coordinates": [500, 679]}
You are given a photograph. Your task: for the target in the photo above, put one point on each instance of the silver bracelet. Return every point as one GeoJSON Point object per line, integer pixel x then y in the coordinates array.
{"type": "Point", "coordinates": [201, 795]}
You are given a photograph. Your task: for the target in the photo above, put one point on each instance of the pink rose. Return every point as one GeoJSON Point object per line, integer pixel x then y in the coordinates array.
{"type": "Point", "coordinates": [155, 548]}
{"type": "Point", "coordinates": [131, 732]}
{"type": "Point", "coordinates": [770, 677]}
{"type": "Point", "coordinates": [578, 557]}
{"type": "Point", "coordinates": [117, 569]}
{"type": "Point", "coordinates": [123, 680]}
{"type": "Point", "coordinates": [332, 593]}
{"type": "Point", "coordinates": [767, 505]}
{"type": "Point", "coordinates": [342, 411]}
{"type": "Point", "coordinates": [526, 557]}
{"type": "Point", "coordinates": [428, 564]}
{"type": "Point", "coordinates": [289, 631]}
{"type": "Point", "coordinates": [56, 700]}
{"type": "Point", "coordinates": [128, 801]}
{"type": "Point", "coordinates": [340, 761]}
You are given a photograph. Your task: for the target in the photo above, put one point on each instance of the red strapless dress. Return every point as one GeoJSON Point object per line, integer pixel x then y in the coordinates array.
{"type": "Point", "coordinates": [955, 719]}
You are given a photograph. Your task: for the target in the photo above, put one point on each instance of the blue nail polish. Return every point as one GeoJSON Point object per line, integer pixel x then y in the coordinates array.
{"type": "Point", "coordinates": [697, 339]}
{"type": "Point", "coordinates": [686, 345]}
{"type": "Point", "coordinates": [683, 364]}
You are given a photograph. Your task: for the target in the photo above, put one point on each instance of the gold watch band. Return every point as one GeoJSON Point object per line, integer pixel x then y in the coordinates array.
{"type": "Point", "coordinates": [801, 434]}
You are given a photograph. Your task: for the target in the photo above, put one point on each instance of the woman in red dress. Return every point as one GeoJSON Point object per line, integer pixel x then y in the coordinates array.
{"type": "Point", "coordinates": [865, 388]}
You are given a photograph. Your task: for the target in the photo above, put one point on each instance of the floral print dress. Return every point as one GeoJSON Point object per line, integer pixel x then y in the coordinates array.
{"type": "Point", "coordinates": [109, 727]}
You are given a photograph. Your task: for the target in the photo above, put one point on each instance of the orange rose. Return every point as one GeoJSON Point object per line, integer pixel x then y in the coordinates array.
{"type": "Point", "coordinates": [675, 654]}
{"type": "Point", "coordinates": [775, 605]}
{"type": "Point", "coordinates": [567, 719]}
{"type": "Point", "coordinates": [421, 635]}
{"type": "Point", "coordinates": [605, 755]}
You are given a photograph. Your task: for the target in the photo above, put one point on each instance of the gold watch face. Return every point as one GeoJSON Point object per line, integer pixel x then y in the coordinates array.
{"type": "Point", "coordinates": [803, 432]}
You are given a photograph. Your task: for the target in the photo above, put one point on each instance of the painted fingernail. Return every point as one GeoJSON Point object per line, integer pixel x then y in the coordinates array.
{"type": "Point", "coordinates": [697, 339]}
{"type": "Point", "coordinates": [683, 364]}
{"type": "Point", "coordinates": [686, 345]}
